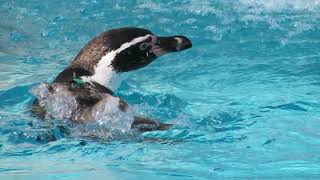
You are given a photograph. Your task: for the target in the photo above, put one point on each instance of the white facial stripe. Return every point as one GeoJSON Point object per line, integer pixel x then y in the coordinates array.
{"type": "Point", "coordinates": [133, 42]}
{"type": "Point", "coordinates": [104, 72]}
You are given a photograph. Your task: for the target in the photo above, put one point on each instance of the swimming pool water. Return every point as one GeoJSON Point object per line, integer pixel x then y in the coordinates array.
{"type": "Point", "coordinates": [244, 100]}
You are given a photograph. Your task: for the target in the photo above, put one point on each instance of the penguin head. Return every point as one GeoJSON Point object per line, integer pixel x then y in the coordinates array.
{"type": "Point", "coordinates": [115, 51]}
{"type": "Point", "coordinates": [135, 48]}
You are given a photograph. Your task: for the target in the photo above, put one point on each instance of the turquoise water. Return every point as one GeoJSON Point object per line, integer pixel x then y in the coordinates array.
{"type": "Point", "coordinates": [244, 100]}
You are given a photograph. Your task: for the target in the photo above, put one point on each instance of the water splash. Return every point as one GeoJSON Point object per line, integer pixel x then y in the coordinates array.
{"type": "Point", "coordinates": [58, 105]}
{"type": "Point", "coordinates": [104, 119]}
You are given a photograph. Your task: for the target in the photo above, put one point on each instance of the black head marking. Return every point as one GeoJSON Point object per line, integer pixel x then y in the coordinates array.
{"type": "Point", "coordinates": [140, 54]}
{"type": "Point", "coordinates": [135, 56]}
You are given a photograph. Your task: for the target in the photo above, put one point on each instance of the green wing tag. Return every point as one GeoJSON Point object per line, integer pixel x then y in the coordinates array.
{"type": "Point", "coordinates": [77, 82]}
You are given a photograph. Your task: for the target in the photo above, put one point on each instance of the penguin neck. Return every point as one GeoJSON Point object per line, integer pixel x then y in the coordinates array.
{"type": "Point", "coordinates": [104, 71]}
{"type": "Point", "coordinates": [105, 74]}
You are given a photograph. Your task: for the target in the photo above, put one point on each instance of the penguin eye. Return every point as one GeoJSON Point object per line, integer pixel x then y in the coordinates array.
{"type": "Point", "coordinates": [143, 46]}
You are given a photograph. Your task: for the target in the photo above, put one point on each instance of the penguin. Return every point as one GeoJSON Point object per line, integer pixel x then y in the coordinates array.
{"type": "Point", "coordinates": [93, 75]}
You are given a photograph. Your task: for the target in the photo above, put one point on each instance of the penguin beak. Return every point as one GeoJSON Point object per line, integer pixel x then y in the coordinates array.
{"type": "Point", "coordinates": [165, 45]}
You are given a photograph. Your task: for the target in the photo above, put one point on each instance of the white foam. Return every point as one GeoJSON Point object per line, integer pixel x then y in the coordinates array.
{"type": "Point", "coordinates": [62, 105]}
{"type": "Point", "coordinates": [107, 113]}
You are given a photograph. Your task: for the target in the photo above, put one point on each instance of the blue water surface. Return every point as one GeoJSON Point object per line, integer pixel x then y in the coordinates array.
{"type": "Point", "coordinates": [244, 100]}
